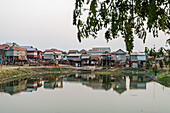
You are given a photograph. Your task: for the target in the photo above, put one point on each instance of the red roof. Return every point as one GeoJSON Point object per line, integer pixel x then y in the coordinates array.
{"type": "Point", "coordinates": [55, 50]}
{"type": "Point", "coordinates": [83, 51]}
{"type": "Point", "coordinates": [95, 57]}
{"type": "Point", "coordinates": [48, 50]}
{"type": "Point", "coordinates": [85, 54]}
{"type": "Point", "coordinates": [18, 48]}
{"type": "Point", "coordinates": [73, 51]}
{"type": "Point", "coordinates": [52, 50]}
{"type": "Point", "coordinates": [4, 46]}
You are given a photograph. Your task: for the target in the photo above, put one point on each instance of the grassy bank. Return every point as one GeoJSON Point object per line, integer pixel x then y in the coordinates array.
{"type": "Point", "coordinates": [16, 71]}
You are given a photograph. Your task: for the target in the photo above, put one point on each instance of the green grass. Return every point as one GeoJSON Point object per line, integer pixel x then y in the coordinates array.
{"type": "Point", "coordinates": [129, 69]}
{"type": "Point", "coordinates": [12, 72]}
{"type": "Point", "coordinates": [115, 73]}
{"type": "Point", "coordinates": [159, 72]}
{"type": "Point", "coordinates": [164, 79]}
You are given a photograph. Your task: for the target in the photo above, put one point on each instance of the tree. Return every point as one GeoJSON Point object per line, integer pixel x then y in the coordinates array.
{"type": "Point", "coordinates": [12, 43]}
{"type": "Point", "coordinates": [156, 58]}
{"type": "Point", "coordinates": [121, 17]}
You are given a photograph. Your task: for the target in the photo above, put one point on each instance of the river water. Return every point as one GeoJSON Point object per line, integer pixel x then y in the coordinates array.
{"type": "Point", "coordinates": [84, 94]}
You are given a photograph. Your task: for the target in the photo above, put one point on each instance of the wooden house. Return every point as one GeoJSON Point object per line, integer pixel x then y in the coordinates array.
{"type": "Point", "coordinates": [32, 53]}
{"type": "Point", "coordinates": [16, 55]}
{"type": "Point", "coordinates": [141, 59]}
{"type": "Point", "coordinates": [74, 59]}
{"type": "Point", "coordinates": [85, 59]}
{"type": "Point", "coordinates": [119, 56]}
{"type": "Point", "coordinates": [134, 59]}
{"type": "Point", "coordinates": [137, 59]}
{"type": "Point", "coordinates": [106, 59]}
{"type": "Point", "coordinates": [95, 60]}
{"type": "Point", "coordinates": [3, 48]}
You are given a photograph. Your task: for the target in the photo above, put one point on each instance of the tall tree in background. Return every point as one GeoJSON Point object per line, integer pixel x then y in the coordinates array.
{"type": "Point", "coordinates": [121, 17]}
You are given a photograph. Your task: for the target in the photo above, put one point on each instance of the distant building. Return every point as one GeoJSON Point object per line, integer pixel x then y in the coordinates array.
{"type": "Point", "coordinates": [73, 52]}
{"type": "Point", "coordinates": [99, 51]}
{"type": "Point", "coordinates": [102, 49]}
{"type": "Point", "coordinates": [83, 51]}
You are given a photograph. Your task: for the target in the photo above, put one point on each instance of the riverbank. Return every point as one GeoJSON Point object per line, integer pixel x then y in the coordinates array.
{"type": "Point", "coordinates": [16, 72]}
{"type": "Point", "coordinates": [164, 79]}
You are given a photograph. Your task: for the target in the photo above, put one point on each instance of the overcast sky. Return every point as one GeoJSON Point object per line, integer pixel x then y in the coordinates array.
{"type": "Point", "coordinates": [48, 24]}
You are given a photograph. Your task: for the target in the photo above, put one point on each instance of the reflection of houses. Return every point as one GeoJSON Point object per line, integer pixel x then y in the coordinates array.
{"type": "Point", "coordinates": [14, 87]}
{"type": "Point", "coordinates": [119, 84]}
{"type": "Point", "coordinates": [90, 80]}
{"type": "Point", "coordinates": [137, 82]}
{"type": "Point", "coordinates": [52, 82]}
{"type": "Point", "coordinates": [120, 57]}
{"type": "Point", "coordinates": [16, 54]}
{"type": "Point", "coordinates": [33, 84]}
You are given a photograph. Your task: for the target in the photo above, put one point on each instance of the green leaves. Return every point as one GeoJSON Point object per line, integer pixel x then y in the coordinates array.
{"type": "Point", "coordinates": [93, 7]}
{"type": "Point", "coordinates": [127, 17]}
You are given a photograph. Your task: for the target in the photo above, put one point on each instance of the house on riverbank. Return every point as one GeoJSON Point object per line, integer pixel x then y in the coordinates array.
{"type": "Point", "coordinates": [32, 53]}
{"type": "Point", "coordinates": [85, 59]}
{"type": "Point", "coordinates": [137, 59]}
{"type": "Point", "coordinates": [3, 48]}
{"type": "Point", "coordinates": [74, 59]}
{"type": "Point", "coordinates": [16, 55]}
{"type": "Point", "coordinates": [120, 57]}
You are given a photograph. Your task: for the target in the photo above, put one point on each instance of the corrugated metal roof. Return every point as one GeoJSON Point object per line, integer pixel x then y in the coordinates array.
{"type": "Point", "coordinates": [48, 52]}
{"type": "Point", "coordinates": [141, 54]}
{"type": "Point", "coordinates": [134, 53]}
{"type": "Point", "coordinates": [74, 55]}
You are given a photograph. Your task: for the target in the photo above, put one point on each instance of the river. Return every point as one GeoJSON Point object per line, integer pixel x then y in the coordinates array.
{"type": "Point", "coordinates": [84, 93]}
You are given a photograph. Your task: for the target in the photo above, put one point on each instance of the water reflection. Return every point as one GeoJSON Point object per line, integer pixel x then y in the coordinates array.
{"type": "Point", "coordinates": [31, 84]}
{"type": "Point", "coordinates": [117, 83]}
{"type": "Point", "coordinates": [96, 82]}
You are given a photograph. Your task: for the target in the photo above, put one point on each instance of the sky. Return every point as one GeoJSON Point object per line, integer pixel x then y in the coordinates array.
{"type": "Point", "coordinates": [47, 24]}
